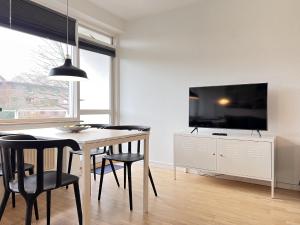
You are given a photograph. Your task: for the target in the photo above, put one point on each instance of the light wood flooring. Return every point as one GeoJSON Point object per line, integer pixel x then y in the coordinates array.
{"type": "Point", "coordinates": [190, 200]}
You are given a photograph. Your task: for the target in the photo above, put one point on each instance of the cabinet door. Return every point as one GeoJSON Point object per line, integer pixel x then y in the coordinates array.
{"type": "Point", "coordinates": [244, 158]}
{"type": "Point", "coordinates": [195, 152]}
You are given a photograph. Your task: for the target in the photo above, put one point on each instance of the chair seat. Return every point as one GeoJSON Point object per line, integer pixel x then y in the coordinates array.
{"type": "Point", "coordinates": [27, 167]}
{"type": "Point", "coordinates": [49, 182]}
{"type": "Point", "coordinates": [125, 157]}
{"type": "Point", "coordinates": [97, 151]}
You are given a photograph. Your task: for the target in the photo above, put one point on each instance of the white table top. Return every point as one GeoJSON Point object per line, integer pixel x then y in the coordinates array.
{"type": "Point", "coordinates": [91, 135]}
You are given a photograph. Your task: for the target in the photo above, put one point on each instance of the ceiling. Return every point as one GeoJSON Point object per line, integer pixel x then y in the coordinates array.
{"type": "Point", "coordinates": [135, 9]}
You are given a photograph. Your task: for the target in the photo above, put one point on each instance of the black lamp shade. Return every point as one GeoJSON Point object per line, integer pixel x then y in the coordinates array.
{"type": "Point", "coordinates": [67, 72]}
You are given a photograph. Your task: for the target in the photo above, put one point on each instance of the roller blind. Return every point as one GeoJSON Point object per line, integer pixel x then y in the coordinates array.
{"type": "Point", "coordinates": [4, 13]}
{"type": "Point", "coordinates": [94, 47]}
{"type": "Point", "coordinates": [33, 18]}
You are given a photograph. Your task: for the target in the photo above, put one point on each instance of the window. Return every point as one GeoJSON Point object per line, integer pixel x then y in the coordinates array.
{"type": "Point", "coordinates": [27, 57]}
{"type": "Point", "coordinates": [95, 93]}
{"type": "Point", "coordinates": [25, 90]}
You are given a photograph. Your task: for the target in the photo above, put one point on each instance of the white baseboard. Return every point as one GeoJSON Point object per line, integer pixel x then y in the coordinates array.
{"type": "Point", "coordinates": [294, 187]}
{"type": "Point", "coordinates": [282, 185]}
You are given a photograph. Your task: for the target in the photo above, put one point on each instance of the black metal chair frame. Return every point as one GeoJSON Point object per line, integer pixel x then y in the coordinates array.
{"type": "Point", "coordinates": [30, 169]}
{"type": "Point", "coordinates": [127, 159]}
{"type": "Point", "coordinates": [27, 167]}
{"type": "Point", "coordinates": [40, 182]}
{"type": "Point", "coordinates": [94, 153]}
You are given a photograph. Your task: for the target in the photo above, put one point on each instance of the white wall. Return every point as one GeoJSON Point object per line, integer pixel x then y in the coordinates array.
{"type": "Point", "coordinates": [214, 42]}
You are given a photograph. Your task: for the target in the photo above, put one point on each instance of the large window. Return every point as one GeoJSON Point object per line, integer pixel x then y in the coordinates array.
{"type": "Point", "coordinates": [26, 57]}
{"type": "Point", "coordinates": [25, 90]}
{"type": "Point", "coordinates": [95, 93]}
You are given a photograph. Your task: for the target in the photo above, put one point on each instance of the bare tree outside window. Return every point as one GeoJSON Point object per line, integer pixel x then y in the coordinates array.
{"type": "Point", "coordinates": [26, 92]}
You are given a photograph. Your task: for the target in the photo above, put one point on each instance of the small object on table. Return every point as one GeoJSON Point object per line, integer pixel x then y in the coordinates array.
{"type": "Point", "coordinates": [74, 128]}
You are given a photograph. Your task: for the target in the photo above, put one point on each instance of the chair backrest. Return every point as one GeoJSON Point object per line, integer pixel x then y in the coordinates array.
{"type": "Point", "coordinates": [10, 145]}
{"type": "Point", "coordinates": [2, 135]}
{"type": "Point", "coordinates": [129, 127]}
{"type": "Point", "coordinates": [6, 134]}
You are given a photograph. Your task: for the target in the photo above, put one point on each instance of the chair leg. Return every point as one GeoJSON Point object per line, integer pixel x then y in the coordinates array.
{"type": "Point", "coordinates": [94, 166]}
{"type": "Point", "coordinates": [36, 210]}
{"type": "Point", "coordinates": [48, 207]}
{"type": "Point", "coordinates": [125, 177]}
{"type": "Point", "coordinates": [29, 206]}
{"type": "Point", "coordinates": [70, 164]}
{"type": "Point", "coordinates": [78, 202]}
{"type": "Point", "coordinates": [129, 185]}
{"type": "Point", "coordinates": [3, 203]}
{"type": "Point", "coordinates": [31, 172]}
{"type": "Point", "coordinates": [152, 183]}
{"type": "Point", "coordinates": [101, 178]}
{"type": "Point", "coordinates": [13, 199]}
{"type": "Point", "coordinates": [114, 172]}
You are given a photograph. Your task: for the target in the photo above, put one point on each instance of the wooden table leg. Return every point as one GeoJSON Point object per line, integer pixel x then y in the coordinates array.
{"type": "Point", "coordinates": [146, 172]}
{"type": "Point", "coordinates": [86, 185]}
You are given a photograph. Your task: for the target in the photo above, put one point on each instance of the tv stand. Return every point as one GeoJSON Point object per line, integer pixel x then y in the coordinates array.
{"type": "Point", "coordinates": [248, 156]}
{"type": "Point", "coordinates": [195, 129]}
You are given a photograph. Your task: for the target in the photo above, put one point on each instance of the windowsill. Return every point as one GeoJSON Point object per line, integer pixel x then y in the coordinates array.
{"type": "Point", "coordinates": [31, 124]}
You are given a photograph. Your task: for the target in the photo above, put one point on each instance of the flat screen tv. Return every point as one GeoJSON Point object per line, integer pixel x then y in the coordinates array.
{"type": "Point", "coordinates": [242, 106]}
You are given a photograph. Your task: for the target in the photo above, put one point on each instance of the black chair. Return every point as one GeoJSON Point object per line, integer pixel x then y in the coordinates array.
{"type": "Point", "coordinates": [30, 187]}
{"type": "Point", "coordinates": [94, 153]}
{"type": "Point", "coordinates": [127, 159]}
{"type": "Point", "coordinates": [27, 167]}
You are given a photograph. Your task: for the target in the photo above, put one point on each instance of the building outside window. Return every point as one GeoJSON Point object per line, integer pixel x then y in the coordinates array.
{"type": "Point", "coordinates": [25, 90]}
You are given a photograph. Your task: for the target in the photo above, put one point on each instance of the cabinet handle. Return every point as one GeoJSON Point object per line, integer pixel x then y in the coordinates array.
{"type": "Point", "coordinates": [221, 155]}
{"type": "Point", "coordinates": [214, 154]}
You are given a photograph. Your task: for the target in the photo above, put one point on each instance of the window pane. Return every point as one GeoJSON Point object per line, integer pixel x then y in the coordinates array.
{"type": "Point", "coordinates": [25, 90]}
{"type": "Point", "coordinates": [101, 119]}
{"type": "Point", "coordinates": [95, 92]}
{"type": "Point", "coordinates": [95, 35]}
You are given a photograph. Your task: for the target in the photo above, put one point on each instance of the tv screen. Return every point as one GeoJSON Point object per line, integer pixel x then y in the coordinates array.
{"type": "Point", "coordinates": [241, 106]}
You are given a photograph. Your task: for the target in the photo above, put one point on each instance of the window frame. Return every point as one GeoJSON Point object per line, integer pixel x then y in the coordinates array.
{"type": "Point", "coordinates": [74, 94]}
{"type": "Point", "coordinates": [111, 109]}
{"type": "Point", "coordinates": [73, 113]}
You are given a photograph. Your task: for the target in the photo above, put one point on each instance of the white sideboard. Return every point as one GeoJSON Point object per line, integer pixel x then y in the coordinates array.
{"type": "Point", "coordinates": [242, 156]}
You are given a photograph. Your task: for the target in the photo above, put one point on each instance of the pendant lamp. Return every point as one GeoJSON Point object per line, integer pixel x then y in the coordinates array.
{"type": "Point", "coordinates": [67, 72]}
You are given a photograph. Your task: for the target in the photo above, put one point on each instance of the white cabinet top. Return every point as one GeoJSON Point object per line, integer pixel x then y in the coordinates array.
{"type": "Point", "coordinates": [264, 138]}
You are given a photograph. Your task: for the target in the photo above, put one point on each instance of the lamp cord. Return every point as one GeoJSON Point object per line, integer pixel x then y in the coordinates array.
{"type": "Point", "coordinates": [67, 28]}
{"type": "Point", "coordinates": [10, 14]}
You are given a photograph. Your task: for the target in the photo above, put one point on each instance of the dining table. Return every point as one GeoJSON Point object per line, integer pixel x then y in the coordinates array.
{"type": "Point", "coordinates": [95, 138]}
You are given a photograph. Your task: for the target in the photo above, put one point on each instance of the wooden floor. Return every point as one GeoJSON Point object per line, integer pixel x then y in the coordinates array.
{"type": "Point", "coordinates": [191, 199]}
